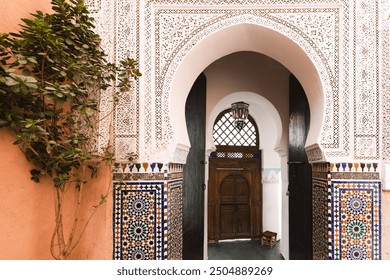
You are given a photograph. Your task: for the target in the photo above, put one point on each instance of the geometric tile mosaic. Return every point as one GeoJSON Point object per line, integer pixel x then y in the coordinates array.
{"type": "Point", "coordinates": [349, 209]}
{"type": "Point", "coordinates": [175, 216]}
{"type": "Point", "coordinates": [320, 220]}
{"type": "Point", "coordinates": [139, 224]}
{"type": "Point", "coordinates": [356, 220]}
{"type": "Point", "coordinates": [147, 220]}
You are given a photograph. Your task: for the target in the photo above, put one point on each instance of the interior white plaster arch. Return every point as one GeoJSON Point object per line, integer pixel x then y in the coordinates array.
{"type": "Point", "coordinates": [263, 112]}
{"type": "Point", "coordinates": [244, 37]}
{"type": "Point", "coordinates": [270, 129]}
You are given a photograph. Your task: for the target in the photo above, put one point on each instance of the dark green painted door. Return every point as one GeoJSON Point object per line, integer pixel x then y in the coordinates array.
{"type": "Point", "coordinates": [194, 173]}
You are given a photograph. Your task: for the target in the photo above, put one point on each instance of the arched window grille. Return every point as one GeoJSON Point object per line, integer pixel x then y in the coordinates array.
{"type": "Point", "coordinates": [226, 134]}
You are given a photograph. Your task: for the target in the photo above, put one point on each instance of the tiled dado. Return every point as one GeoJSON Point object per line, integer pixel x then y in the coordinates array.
{"type": "Point", "coordinates": [147, 214]}
{"type": "Point", "coordinates": [346, 211]}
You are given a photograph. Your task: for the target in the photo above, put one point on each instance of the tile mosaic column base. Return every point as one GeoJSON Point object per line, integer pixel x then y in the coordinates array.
{"type": "Point", "coordinates": [147, 216]}
{"type": "Point", "coordinates": [356, 228]}
{"type": "Point", "coordinates": [346, 212]}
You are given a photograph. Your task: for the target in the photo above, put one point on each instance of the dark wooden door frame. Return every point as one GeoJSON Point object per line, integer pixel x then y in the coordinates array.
{"type": "Point", "coordinates": [300, 176]}
{"type": "Point", "coordinates": [194, 173]}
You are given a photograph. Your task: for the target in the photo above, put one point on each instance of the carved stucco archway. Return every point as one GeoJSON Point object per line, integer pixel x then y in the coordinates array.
{"type": "Point", "coordinates": [246, 33]}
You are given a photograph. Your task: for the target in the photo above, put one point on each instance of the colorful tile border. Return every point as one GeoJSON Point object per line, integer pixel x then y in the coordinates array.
{"type": "Point", "coordinates": [270, 175]}
{"type": "Point", "coordinates": [353, 167]}
{"type": "Point", "coordinates": [147, 167]}
{"type": "Point", "coordinates": [147, 171]}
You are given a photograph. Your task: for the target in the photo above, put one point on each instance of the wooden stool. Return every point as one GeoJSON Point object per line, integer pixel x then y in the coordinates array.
{"type": "Point", "coordinates": [268, 238]}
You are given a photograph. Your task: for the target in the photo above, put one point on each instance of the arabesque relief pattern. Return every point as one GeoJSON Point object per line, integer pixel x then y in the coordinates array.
{"type": "Point", "coordinates": [160, 32]}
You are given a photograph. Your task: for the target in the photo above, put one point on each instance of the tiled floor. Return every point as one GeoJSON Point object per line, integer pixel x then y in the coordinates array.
{"type": "Point", "coordinates": [243, 250]}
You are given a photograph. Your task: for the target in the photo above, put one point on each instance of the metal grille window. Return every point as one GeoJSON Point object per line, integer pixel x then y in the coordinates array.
{"type": "Point", "coordinates": [226, 134]}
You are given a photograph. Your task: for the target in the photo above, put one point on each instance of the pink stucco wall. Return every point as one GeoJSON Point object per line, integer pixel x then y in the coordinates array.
{"type": "Point", "coordinates": [26, 208]}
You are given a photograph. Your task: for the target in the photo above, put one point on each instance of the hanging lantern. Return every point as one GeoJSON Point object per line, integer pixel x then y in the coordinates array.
{"type": "Point", "coordinates": [240, 113]}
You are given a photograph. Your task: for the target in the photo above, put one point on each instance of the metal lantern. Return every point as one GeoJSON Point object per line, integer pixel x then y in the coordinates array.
{"type": "Point", "coordinates": [239, 113]}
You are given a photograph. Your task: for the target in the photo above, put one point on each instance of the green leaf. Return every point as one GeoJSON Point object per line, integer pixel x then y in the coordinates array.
{"type": "Point", "coordinates": [18, 141]}
{"type": "Point", "coordinates": [3, 122]}
{"type": "Point", "coordinates": [30, 79]}
{"type": "Point", "coordinates": [49, 149]}
{"type": "Point", "coordinates": [57, 182]}
{"type": "Point", "coordinates": [89, 111]}
{"type": "Point", "coordinates": [45, 106]}
{"type": "Point", "coordinates": [11, 82]}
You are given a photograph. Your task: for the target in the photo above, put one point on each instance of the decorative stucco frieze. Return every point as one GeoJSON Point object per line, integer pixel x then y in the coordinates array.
{"type": "Point", "coordinates": [384, 30]}
{"type": "Point", "coordinates": [315, 154]}
{"type": "Point", "coordinates": [366, 83]}
{"type": "Point", "coordinates": [230, 18]}
{"type": "Point", "coordinates": [104, 14]}
{"type": "Point", "coordinates": [339, 36]}
{"type": "Point", "coordinates": [94, 6]}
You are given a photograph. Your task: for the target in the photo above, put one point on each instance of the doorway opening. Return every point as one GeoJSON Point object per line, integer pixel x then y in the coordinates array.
{"type": "Point", "coordinates": [234, 186]}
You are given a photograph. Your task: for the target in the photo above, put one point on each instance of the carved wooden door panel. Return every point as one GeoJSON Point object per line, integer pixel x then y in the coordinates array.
{"type": "Point", "coordinates": [234, 199]}
{"type": "Point", "coordinates": [235, 216]}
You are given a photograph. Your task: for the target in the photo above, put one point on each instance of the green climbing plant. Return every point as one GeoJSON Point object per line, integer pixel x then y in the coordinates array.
{"type": "Point", "coordinates": [51, 74]}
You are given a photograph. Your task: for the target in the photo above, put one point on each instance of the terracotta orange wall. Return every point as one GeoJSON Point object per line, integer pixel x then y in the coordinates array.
{"type": "Point", "coordinates": [26, 208]}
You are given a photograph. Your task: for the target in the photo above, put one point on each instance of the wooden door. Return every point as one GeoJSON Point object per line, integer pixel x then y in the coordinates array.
{"type": "Point", "coordinates": [300, 176]}
{"type": "Point", "coordinates": [235, 216]}
{"type": "Point", "coordinates": [234, 199]}
{"type": "Point", "coordinates": [194, 173]}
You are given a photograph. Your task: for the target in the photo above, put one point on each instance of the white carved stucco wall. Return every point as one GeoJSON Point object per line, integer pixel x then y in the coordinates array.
{"type": "Point", "coordinates": [341, 38]}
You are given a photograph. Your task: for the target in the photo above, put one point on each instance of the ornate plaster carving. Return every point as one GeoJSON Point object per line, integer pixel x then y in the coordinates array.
{"type": "Point", "coordinates": [339, 36]}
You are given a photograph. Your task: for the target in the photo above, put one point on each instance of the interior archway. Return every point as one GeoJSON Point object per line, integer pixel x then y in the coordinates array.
{"type": "Point", "coordinates": [270, 129]}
